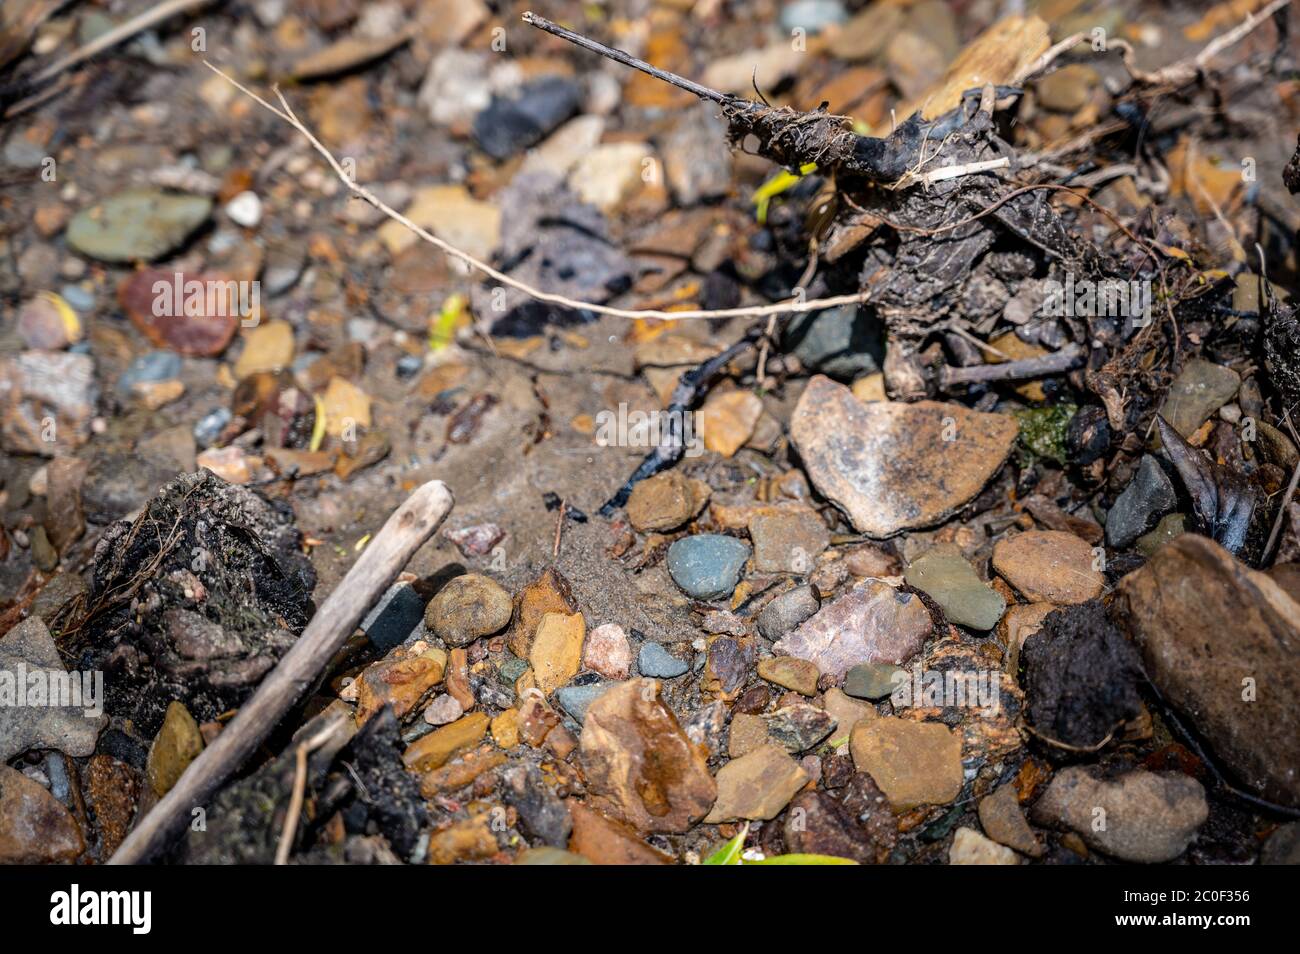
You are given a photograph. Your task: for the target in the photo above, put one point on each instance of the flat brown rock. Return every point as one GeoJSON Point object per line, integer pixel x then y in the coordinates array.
{"type": "Point", "coordinates": [914, 763]}
{"type": "Point", "coordinates": [757, 785]}
{"type": "Point", "coordinates": [1222, 643]}
{"type": "Point", "coordinates": [1049, 566]}
{"type": "Point", "coordinates": [891, 466]}
{"type": "Point", "coordinates": [871, 623]}
{"type": "Point", "coordinates": [636, 756]}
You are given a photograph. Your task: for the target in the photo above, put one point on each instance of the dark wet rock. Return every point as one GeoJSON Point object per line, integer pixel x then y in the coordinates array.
{"type": "Point", "coordinates": [395, 618]}
{"type": "Point", "coordinates": [799, 727]}
{"type": "Point", "coordinates": [787, 611]}
{"type": "Point", "coordinates": [1148, 497]}
{"type": "Point", "coordinates": [818, 824]}
{"type": "Point", "coordinates": [224, 557]}
{"type": "Point", "coordinates": [542, 815]}
{"type": "Point", "coordinates": [1088, 436]}
{"type": "Point", "coordinates": [1222, 644]}
{"type": "Point", "coordinates": [1081, 676]}
{"type": "Point", "coordinates": [1141, 816]}
{"type": "Point", "coordinates": [844, 342]}
{"type": "Point", "coordinates": [513, 123]}
{"type": "Point", "coordinates": [727, 665]}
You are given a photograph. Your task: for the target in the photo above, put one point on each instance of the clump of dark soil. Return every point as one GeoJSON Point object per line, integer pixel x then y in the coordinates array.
{"type": "Point", "coordinates": [195, 600]}
{"type": "Point", "coordinates": [1081, 677]}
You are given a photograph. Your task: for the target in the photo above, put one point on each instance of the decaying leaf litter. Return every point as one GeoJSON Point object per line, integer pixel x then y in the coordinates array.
{"type": "Point", "coordinates": [985, 527]}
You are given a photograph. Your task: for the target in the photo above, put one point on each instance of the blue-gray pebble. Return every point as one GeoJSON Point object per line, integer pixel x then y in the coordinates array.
{"type": "Point", "coordinates": [656, 662]}
{"type": "Point", "coordinates": [707, 566]}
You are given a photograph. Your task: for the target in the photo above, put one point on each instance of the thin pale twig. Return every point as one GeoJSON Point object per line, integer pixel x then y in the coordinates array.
{"type": "Point", "coordinates": [780, 308]}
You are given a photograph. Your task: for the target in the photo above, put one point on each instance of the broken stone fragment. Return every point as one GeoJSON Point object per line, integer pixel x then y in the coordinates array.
{"type": "Point", "coordinates": [891, 466]}
{"type": "Point", "coordinates": [636, 757]}
{"type": "Point", "coordinates": [914, 763]}
{"type": "Point", "coordinates": [757, 786]}
{"type": "Point", "coordinates": [35, 829]}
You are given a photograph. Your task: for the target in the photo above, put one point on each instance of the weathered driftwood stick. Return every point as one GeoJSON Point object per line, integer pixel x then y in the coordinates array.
{"type": "Point", "coordinates": [407, 529]}
{"type": "Point", "coordinates": [1066, 359]}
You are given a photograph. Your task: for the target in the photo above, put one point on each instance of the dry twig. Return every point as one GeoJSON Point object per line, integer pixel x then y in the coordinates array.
{"type": "Point", "coordinates": [406, 531]}
{"type": "Point", "coordinates": [780, 308]}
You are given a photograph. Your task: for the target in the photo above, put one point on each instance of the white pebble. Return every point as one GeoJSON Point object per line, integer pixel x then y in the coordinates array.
{"type": "Point", "coordinates": [245, 209]}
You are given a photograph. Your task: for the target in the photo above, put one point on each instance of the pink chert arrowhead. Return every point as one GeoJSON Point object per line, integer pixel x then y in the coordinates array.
{"type": "Point", "coordinates": [872, 623]}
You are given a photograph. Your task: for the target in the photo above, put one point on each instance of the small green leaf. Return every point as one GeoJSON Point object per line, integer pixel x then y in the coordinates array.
{"type": "Point", "coordinates": [729, 853]}
{"type": "Point", "coordinates": [798, 859]}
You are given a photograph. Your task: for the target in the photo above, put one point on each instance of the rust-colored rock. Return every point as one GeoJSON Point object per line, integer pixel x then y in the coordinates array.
{"type": "Point", "coordinates": [111, 792]}
{"type": "Point", "coordinates": [603, 841]}
{"type": "Point", "coordinates": [400, 679]}
{"type": "Point", "coordinates": [549, 593]}
{"type": "Point", "coordinates": [636, 756]}
{"type": "Point", "coordinates": [200, 322]}
{"type": "Point", "coordinates": [439, 747]}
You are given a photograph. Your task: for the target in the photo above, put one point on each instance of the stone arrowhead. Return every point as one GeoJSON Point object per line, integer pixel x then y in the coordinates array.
{"type": "Point", "coordinates": [871, 623]}
{"type": "Point", "coordinates": [891, 466]}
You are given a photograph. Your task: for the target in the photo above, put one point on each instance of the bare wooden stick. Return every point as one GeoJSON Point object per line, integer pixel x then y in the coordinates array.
{"type": "Point", "coordinates": [1064, 360]}
{"type": "Point", "coordinates": [406, 531]}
